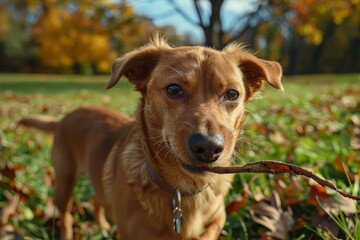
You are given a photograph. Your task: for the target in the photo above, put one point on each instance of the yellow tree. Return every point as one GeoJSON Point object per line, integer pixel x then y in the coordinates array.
{"type": "Point", "coordinates": [311, 15]}
{"type": "Point", "coordinates": [72, 38]}
{"type": "Point", "coordinates": [84, 32]}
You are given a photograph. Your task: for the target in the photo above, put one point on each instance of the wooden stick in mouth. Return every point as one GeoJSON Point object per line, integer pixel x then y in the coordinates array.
{"type": "Point", "coordinates": [277, 167]}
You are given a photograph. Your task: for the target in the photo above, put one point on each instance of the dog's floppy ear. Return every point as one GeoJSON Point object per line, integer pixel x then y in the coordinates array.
{"type": "Point", "coordinates": [137, 66]}
{"type": "Point", "coordinates": [255, 70]}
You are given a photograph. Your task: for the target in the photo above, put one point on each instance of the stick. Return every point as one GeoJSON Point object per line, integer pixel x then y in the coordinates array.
{"type": "Point", "coordinates": [276, 167]}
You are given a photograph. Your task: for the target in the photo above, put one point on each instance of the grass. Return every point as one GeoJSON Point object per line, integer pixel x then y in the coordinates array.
{"type": "Point", "coordinates": [314, 123]}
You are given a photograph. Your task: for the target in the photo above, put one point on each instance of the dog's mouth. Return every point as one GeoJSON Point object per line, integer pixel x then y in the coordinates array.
{"type": "Point", "coordinates": [192, 169]}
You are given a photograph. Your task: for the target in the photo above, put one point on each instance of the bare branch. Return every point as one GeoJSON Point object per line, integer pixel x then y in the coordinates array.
{"type": "Point", "coordinates": [183, 13]}
{"type": "Point", "coordinates": [196, 4]}
{"type": "Point", "coordinates": [248, 18]}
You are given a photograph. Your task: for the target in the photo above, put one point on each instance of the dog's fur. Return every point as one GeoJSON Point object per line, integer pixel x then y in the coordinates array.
{"type": "Point", "coordinates": [121, 155]}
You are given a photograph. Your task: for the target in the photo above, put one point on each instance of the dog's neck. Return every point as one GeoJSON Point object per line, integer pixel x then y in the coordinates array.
{"type": "Point", "coordinates": [164, 185]}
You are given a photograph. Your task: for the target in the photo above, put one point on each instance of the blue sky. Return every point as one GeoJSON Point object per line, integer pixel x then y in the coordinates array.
{"type": "Point", "coordinates": [163, 14]}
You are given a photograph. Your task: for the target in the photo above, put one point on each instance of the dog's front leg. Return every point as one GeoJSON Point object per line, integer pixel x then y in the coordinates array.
{"type": "Point", "coordinates": [214, 228]}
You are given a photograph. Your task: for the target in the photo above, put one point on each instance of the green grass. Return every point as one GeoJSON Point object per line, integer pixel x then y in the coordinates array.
{"type": "Point", "coordinates": [314, 124]}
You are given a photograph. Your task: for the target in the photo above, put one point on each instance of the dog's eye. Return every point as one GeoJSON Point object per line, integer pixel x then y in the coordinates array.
{"type": "Point", "coordinates": [231, 95]}
{"type": "Point", "coordinates": [174, 90]}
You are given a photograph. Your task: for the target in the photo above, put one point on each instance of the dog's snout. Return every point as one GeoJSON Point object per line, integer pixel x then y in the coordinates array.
{"type": "Point", "coordinates": [206, 148]}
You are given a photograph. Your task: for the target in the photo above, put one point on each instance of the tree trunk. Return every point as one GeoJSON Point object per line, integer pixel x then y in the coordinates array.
{"type": "Point", "coordinates": [295, 53]}
{"type": "Point", "coordinates": [213, 31]}
{"type": "Point", "coordinates": [77, 68]}
{"type": "Point", "coordinates": [314, 65]}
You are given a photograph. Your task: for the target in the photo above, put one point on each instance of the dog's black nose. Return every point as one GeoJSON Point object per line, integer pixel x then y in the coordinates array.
{"type": "Point", "coordinates": [206, 148]}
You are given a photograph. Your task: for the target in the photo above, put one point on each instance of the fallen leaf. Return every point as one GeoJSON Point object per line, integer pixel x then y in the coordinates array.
{"type": "Point", "coordinates": [343, 168]}
{"type": "Point", "coordinates": [291, 190]}
{"type": "Point", "coordinates": [10, 95]}
{"type": "Point", "coordinates": [9, 170]}
{"type": "Point", "coordinates": [341, 204]}
{"type": "Point", "coordinates": [317, 193]}
{"type": "Point", "coordinates": [23, 191]}
{"type": "Point", "coordinates": [270, 215]}
{"type": "Point", "coordinates": [49, 177]}
{"type": "Point", "coordinates": [50, 210]}
{"type": "Point", "coordinates": [237, 203]}
{"type": "Point", "coordinates": [356, 120]}
{"type": "Point", "coordinates": [277, 138]}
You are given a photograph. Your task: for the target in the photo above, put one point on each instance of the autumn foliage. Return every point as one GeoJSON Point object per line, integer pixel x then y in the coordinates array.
{"type": "Point", "coordinates": [72, 36]}
{"type": "Point", "coordinates": [83, 36]}
{"type": "Point", "coordinates": [311, 14]}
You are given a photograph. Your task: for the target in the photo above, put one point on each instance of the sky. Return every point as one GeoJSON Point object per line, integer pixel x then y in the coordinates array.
{"type": "Point", "coordinates": [163, 13]}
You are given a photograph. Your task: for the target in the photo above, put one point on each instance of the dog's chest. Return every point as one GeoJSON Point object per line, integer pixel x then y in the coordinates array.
{"type": "Point", "coordinates": [197, 211]}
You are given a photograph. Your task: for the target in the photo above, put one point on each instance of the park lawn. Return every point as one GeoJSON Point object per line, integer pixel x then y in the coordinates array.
{"type": "Point", "coordinates": [315, 123]}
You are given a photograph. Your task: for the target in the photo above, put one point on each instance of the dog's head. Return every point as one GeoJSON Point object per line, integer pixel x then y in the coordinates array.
{"type": "Point", "coordinates": [193, 99]}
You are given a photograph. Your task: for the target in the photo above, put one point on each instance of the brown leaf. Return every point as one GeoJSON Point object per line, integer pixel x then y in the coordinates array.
{"type": "Point", "coordinates": [10, 95]}
{"type": "Point", "coordinates": [9, 170]}
{"type": "Point", "coordinates": [290, 189]}
{"type": "Point", "coordinates": [22, 190]}
{"type": "Point", "coordinates": [49, 177]}
{"type": "Point", "coordinates": [237, 204]}
{"type": "Point", "coordinates": [271, 216]}
{"type": "Point", "coordinates": [343, 168]}
{"type": "Point", "coordinates": [317, 193]}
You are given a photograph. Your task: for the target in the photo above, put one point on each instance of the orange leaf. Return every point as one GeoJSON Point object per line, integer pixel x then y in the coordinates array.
{"type": "Point", "coordinates": [237, 204]}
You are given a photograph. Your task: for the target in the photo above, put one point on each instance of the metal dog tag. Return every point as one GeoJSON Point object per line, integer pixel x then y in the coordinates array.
{"type": "Point", "coordinates": [177, 212]}
{"type": "Point", "coordinates": [178, 224]}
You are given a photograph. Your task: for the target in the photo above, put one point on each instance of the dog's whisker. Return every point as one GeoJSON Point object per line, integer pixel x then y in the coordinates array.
{"type": "Point", "coordinates": [159, 142]}
{"type": "Point", "coordinates": [152, 138]}
{"type": "Point", "coordinates": [159, 145]}
{"type": "Point", "coordinates": [169, 152]}
{"type": "Point", "coordinates": [253, 146]}
{"type": "Point", "coordinates": [158, 152]}
{"type": "Point", "coordinates": [237, 157]}
{"type": "Point", "coordinates": [139, 111]}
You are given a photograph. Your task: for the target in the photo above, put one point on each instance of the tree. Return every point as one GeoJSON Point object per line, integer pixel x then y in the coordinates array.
{"type": "Point", "coordinates": [214, 32]}
{"type": "Point", "coordinates": [80, 33]}
{"type": "Point", "coordinates": [296, 32]}
{"type": "Point", "coordinates": [70, 34]}
{"type": "Point", "coordinates": [70, 40]}
{"type": "Point", "coordinates": [317, 23]}
{"type": "Point", "coordinates": [16, 50]}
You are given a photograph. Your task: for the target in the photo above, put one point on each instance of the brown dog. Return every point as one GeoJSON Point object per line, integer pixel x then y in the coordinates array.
{"type": "Point", "coordinates": [148, 172]}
